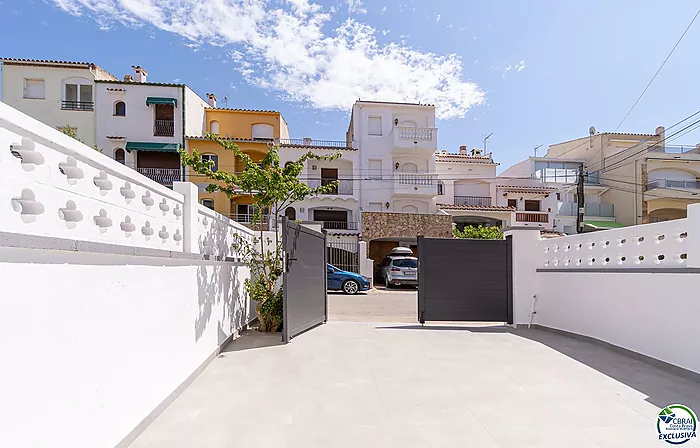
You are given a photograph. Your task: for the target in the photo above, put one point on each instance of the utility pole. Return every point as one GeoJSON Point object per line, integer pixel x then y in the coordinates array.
{"type": "Point", "coordinates": [486, 138]}
{"type": "Point", "coordinates": [581, 203]}
{"type": "Point", "coordinates": [536, 148]}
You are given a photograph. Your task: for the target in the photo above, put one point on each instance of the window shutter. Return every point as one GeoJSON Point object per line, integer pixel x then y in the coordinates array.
{"type": "Point", "coordinates": [375, 125]}
{"type": "Point", "coordinates": [34, 88]}
{"type": "Point", "coordinates": [375, 169]}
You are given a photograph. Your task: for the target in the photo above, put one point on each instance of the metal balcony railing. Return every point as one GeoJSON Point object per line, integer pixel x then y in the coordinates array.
{"type": "Point", "coordinates": [164, 176]}
{"type": "Point", "coordinates": [314, 142]}
{"type": "Point", "coordinates": [475, 201]}
{"type": "Point", "coordinates": [673, 183]}
{"type": "Point", "coordinates": [415, 134]}
{"type": "Point", "coordinates": [344, 187]}
{"type": "Point", "coordinates": [532, 217]}
{"type": "Point", "coordinates": [163, 128]}
{"type": "Point", "coordinates": [337, 225]}
{"type": "Point", "coordinates": [251, 221]}
{"type": "Point", "coordinates": [416, 179]}
{"type": "Point", "coordinates": [77, 105]}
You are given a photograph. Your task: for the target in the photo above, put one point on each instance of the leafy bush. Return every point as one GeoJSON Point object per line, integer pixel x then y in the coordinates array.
{"type": "Point", "coordinates": [479, 233]}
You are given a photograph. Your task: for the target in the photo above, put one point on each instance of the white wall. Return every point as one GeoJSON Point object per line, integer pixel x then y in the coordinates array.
{"type": "Point", "coordinates": [49, 110]}
{"type": "Point", "coordinates": [195, 117]}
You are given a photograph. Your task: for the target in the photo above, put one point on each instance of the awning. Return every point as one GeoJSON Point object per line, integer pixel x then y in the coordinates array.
{"type": "Point", "coordinates": [160, 100]}
{"type": "Point", "coordinates": [152, 146]}
{"type": "Point", "coordinates": [603, 224]}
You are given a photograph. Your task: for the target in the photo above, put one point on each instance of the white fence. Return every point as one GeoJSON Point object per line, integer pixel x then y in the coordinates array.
{"type": "Point", "coordinates": [115, 290]}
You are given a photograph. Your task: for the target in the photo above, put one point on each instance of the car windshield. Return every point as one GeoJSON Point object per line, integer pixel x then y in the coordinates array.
{"type": "Point", "coordinates": [405, 263]}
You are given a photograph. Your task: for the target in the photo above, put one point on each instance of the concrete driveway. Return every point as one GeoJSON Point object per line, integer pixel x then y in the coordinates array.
{"type": "Point", "coordinates": [377, 305]}
{"type": "Point", "coordinates": [353, 384]}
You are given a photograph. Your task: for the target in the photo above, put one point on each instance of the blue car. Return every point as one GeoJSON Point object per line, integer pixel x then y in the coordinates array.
{"type": "Point", "coordinates": [348, 282]}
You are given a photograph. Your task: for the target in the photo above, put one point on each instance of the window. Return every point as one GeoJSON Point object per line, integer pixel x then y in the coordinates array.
{"type": "Point", "coordinates": [441, 188]}
{"type": "Point", "coordinates": [405, 263]}
{"type": "Point", "coordinates": [375, 126]}
{"type": "Point", "coordinates": [558, 196]}
{"type": "Point", "coordinates": [34, 89]}
{"type": "Point", "coordinates": [375, 206]}
{"type": "Point", "coordinates": [561, 172]}
{"type": "Point", "coordinates": [214, 127]}
{"type": "Point", "coordinates": [263, 131]}
{"type": "Point", "coordinates": [375, 168]}
{"type": "Point", "coordinates": [532, 206]}
{"type": "Point", "coordinates": [119, 155]}
{"type": "Point", "coordinates": [164, 123]}
{"type": "Point", "coordinates": [208, 203]}
{"type": "Point", "coordinates": [120, 109]}
{"type": "Point", "coordinates": [77, 95]}
{"type": "Point", "coordinates": [211, 157]}
{"type": "Point", "coordinates": [513, 203]}
{"type": "Point", "coordinates": [291, 213]}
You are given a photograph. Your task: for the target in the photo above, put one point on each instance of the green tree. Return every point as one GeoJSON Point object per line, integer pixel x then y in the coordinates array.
{"type": "Point", "coordinates": [70, 132]}
{"type": "Point", "coordinates": [479, 233]}
{"type": "Point", "coordinates": [271, 187]}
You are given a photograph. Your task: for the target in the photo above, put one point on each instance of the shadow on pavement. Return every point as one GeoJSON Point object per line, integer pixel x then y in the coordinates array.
{"type": "Point", "coordinates": [253, 339]}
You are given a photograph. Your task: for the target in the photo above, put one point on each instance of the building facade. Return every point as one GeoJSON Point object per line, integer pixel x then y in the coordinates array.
{"type": "Point", "coordinates": [57, 93]}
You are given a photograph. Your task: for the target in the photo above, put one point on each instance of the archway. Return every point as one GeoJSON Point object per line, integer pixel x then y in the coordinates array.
{"type": "Point", "coordinates": [408, 167]}
{"type": "Point", "coordinates": [667, 214]}
{"type": "Point", "coordinates": [120, 156]}
{"type": "Point", "coordinates": [290, 213]}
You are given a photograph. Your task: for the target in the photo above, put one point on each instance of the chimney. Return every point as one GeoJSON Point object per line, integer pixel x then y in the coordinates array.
{"type": "Point", "coordinates": [211, 99]}
{"type": "Point", "coordinates": [140, 73]}
{"type": "Point", "coordinates": [307, 141]}
{"type": "Point", "coordinates": [463, 150]}
{"type": "Point", "coordinates": [661, 133]}
{"type": "Point", "coordinates": [477, 152]}
{"type": "Point", "coordinates": [128, 78]}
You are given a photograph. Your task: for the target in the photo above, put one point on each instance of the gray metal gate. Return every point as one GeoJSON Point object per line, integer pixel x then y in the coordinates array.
{"type": "Point", "coordinates": [304, 279]}
{"type": "Point", "coordinates": [343, 251]}
{"type": "Point", "coordinates": [465, 280]}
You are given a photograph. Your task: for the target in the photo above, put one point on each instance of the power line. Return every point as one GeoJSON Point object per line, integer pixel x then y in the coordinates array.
{"type": "Point", "coordinates": [658, 71]}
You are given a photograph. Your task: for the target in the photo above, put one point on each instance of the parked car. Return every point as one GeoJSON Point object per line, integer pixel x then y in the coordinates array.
{"type": "Point", "coordinates": [395, 252]}
{"type": "Point", "coordinates": [348, 282]}
{"type": "Point", "coordinates": [400, 271]}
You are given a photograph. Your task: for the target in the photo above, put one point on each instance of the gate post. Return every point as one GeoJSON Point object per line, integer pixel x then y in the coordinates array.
{"type": "Point", "coordinates": [189, 215]}
{"type": "Point", "coordinates": [525, 247]}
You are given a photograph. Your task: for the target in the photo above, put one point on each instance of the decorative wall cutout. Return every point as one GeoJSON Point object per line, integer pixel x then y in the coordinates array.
{"type": "Point", "coordinates": [127, 226]}
{"type": "Point", "coordinates": [147, 230]}
{"type": "Point", "coordinates": [178, 236]}
{"type": "Point", "coordinates": [177, 211]}
{"type": "Point", "coordinates": [27, 206]}
{"type": "Point", "coordinates": [102, 221]}
{"type": "Point", "coordinates": [70, 169]}
{"type": "Point", "coordinates": [70, 214]}
{"type": "Point", "coordinates": [147, 200]}
{"type": "Point", "coordinates": [102, 182]}
{"type": "Point", "coordinates": [205, 221]}
{"type": "Point", "coordinates": [26, 153]}
{"type": "Point", "coordinates": [127, 192]}
{"type": "Point", "coordinates": [163, 234]}
{"type": "Point", "coordinates": [164, 206]}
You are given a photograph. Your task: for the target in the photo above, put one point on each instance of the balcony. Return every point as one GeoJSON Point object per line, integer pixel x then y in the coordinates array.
{"type": "Point", "coordinates": [164, 128]}
{"type": "Point", "coordinates": [415, 184]}
{"type": "Point", "coordinates": [532, 217]}
{"type": "Point", "coordinates": [601, 210]}
{"type": "Point", "coordinates": [252, 222]}
{"type": "Point", "coordinates": [474, 201]}
{"type": "Point", "coordinates": [673, 183]}
{"type": "Point", "coordinates": [164, 176]}
{"type": "Point", "coordinates": [336, 225]}
{"type": "Point", "coordinates": [313, 142]}
{"type": "Point", "coordinates": [410, 139]}
{"type": "Point", "coordinates": [78, 105]}
{"type": "Point", "coordinates": [343, 188]}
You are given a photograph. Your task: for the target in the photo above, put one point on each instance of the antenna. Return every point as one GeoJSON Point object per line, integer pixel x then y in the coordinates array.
{"type": "Point", "coordinates": [486, 138]}
{"type": "Point", "coordinates": [536, 148]}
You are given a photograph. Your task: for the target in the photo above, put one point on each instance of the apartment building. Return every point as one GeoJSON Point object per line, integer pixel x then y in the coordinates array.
{"type": "Point", "coordinates": [143, 124]}
{"type": "Point", "coordinates": [57, 93]}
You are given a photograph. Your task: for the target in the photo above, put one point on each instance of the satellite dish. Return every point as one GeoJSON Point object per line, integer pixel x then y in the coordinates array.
{"type": "Point", "coordinates": [591, 130]}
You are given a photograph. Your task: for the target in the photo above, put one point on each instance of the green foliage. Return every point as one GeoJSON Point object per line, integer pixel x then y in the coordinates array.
{"type": "Point", "coordinates": [271, 187]}
{"type": "Point", "coordinates": [479, 233]}
{"type": "Point", "coordinates": [70, 132]}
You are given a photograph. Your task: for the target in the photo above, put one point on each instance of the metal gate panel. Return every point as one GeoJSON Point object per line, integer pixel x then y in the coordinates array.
{"type": "Point", "coordinates": [464, 280]}
{"type": "Point", "coordinates": [344, 251]}
{"type": "Point", "coordinates": [304, 279]}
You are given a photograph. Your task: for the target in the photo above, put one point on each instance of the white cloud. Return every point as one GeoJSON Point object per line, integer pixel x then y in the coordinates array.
{"type": "Point", "coordinates": [437, 18]}
{"type": "Point", "coordinates": [385, 32]}
{"type": "Point", "coordinates": [520, 66]}
{"type": "Point", "coordinates": [383, 10]}
{"type": "Point", "coordinates": [355, 7]}
{"type": "Point", "coordinates": [293, 52]}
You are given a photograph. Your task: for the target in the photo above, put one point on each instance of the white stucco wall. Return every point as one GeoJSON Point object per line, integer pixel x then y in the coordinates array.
{"type": "Point", "coordinates": [48, 110]}
{"type": "Point", "coordinates": [195, 117]}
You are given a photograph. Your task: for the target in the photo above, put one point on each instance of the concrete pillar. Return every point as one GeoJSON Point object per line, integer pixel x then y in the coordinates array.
{"type": "Point", "coordinates": [526, 259]}
{"type": "Point", "coordinates": [189, 215]}
{"type": "Point", "coordinates": [693, 238]}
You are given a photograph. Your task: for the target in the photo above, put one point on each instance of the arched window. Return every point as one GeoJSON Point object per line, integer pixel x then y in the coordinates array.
{"type": "Point", "coordinates": [119, 155]}
{"type": "Point", "coordinates": [214, 158]}
{"type": "Point", "coordinates": [409, 209]}
{"type": "Point", "coordinates": [441, 187]}
{"type": "Point", "coordinates": [263, 131]}
{"type": "Point", "coordinates": [214, 127]}
{"type": "Point", "coordinates": [120, 109]}
{"type": "Point", "coordinates": [408, 167]}
{"type": "Point", "coordinates": [291, 213]}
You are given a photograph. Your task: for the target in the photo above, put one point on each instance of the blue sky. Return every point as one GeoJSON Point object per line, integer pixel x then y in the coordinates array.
{"type": "Point", "coordinates": [532, 72]}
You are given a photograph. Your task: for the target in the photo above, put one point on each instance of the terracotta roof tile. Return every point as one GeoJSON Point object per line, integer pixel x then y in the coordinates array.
{"type": "Point", "coordinates": [312, 146]}
{"type": "Point", "coordinates": [44, 62]}
{"type": "Point", "coordinates": [463, 158]}
{"type": "Point", "coordinates": [244, 110]}
{"type": "Point", "coordinates": [493, 208]}
{"type": "Point", "coordinates": [526, 188]}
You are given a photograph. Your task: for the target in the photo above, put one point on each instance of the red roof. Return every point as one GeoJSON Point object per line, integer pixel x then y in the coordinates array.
{"type": "Point", "coordinates": [487, 208]}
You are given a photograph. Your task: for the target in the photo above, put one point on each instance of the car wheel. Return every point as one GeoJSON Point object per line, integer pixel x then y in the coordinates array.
{"type": "Point", "coordinates": [351, 287]}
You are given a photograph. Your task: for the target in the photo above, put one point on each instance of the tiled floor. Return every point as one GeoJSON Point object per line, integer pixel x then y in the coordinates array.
{"type": "Point", "coordinates": [351, 384]}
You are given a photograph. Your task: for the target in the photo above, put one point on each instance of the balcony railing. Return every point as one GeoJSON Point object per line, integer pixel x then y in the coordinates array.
{"type": "Point", "coordinates": [164, 176]}
{"type": "Point", "coordinates": [314, 142]}
{"type": "Point", "coordinates": [674, 149]}
{"type": "Point", "coordinates": [77, 105]}
{"type": "Point", "coordinates": [416, 179]}
{"type": "Point", "coordinates": [247, 220]}
{"type": "Point", "coordinates": [673, 183]}
{"type": "Point", "coordinates": [344, 186]}
{"type": "Point", "coordinates": [336, 225]}
{"type": "Point", "coordinates": [603, 210]}
{"type": "Point", "coordinates": [532, 217]}
{"type": "Point", "coordinates": [415, 134]}
{"type": "Point", "coordinates": [163, 128]}
{"type": "Point", "coordinates": [475, 201]}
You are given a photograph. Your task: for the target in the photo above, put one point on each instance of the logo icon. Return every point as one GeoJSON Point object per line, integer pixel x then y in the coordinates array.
{"type": "Point", "coordinates": [676, 424]}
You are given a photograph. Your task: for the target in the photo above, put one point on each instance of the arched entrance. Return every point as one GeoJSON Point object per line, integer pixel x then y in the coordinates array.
{"type": "Point", "coordinates": [291, 213]}
{"type": "Point", "coordinates": [667, 214]}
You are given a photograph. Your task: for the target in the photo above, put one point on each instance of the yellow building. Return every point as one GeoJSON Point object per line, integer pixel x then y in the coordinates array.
{"type": "Point", "coordinates": [253, 131]}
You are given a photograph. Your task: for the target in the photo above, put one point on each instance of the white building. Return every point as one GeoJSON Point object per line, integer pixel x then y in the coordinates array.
{"type": "Point", "coordinates": [142, 124]}
{"type": "Point", "coordinates": [57, 93]}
